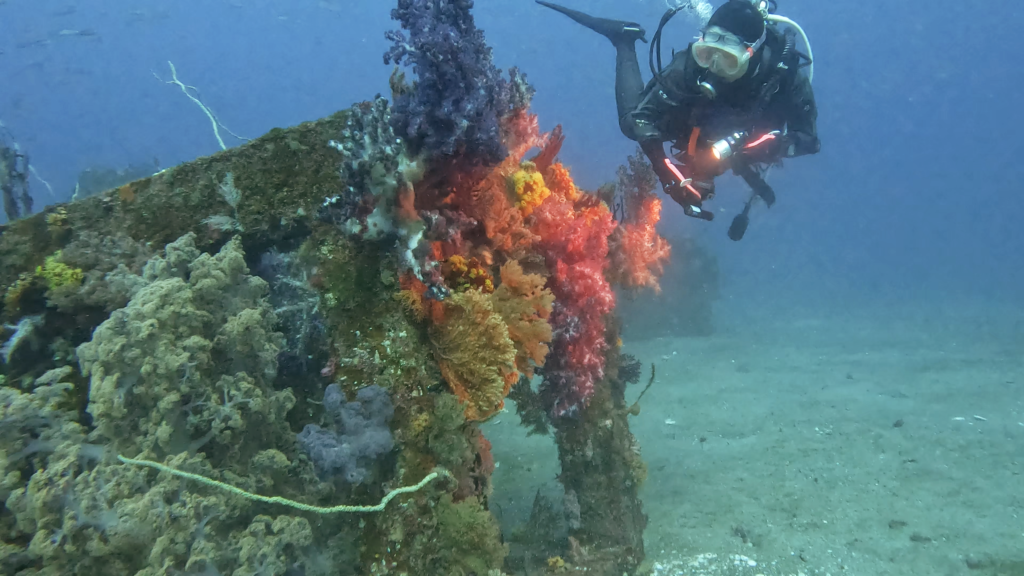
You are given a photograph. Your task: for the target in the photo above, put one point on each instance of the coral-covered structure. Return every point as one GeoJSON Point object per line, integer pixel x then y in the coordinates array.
{"type": "Point", "coordinates": [323, 316]}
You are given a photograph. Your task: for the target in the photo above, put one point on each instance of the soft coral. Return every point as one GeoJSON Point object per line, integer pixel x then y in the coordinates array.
{"type": "Point", "coordinates": [573, 230]}
{"type": "Point", "coordinates": [638, 252]}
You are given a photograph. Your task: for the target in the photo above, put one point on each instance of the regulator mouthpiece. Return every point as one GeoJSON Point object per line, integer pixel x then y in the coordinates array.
{"type": "Point", "coordinates": [707, 90]}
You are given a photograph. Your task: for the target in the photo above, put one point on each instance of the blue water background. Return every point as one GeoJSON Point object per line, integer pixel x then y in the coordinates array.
{"type": "Point", "coordinates": [915, 196]}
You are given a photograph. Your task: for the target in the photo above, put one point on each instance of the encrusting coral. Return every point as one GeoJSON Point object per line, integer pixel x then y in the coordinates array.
{"type": "Point", "coordinates": [182, 374]}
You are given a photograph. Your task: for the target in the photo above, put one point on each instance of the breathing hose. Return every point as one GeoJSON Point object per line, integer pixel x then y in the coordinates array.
{"type": "Point", "coordinates": [775, 18]}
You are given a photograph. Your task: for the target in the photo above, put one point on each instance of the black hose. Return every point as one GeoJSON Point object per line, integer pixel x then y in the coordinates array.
{"type": "Point", "coordinates": [655, 50]}
{"type": "Point", "coordinates": [788, 46]}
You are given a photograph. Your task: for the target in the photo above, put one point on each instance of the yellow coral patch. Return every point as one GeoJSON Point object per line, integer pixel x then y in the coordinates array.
{"type": "Point", "coordinates": [462, 274]}
{"type": "Point", "coordinates": [419, 424]}
{"type": "Point", "coordinates": [458, 264]}
{"type": "Point", "coordinates": [57, 274]}
{"type": "Point", "coordinates": [529, 188]}
{"type": "Point", "coordinates": [556, 563]}
{"type": "Point", "coordinates": [14, 292]}
{"type": "Point", "coordinates": [58, 218]}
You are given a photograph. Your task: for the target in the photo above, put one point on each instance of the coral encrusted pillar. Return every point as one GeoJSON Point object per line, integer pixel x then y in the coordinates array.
{"type": "Point", "coordinates": [602, 472]}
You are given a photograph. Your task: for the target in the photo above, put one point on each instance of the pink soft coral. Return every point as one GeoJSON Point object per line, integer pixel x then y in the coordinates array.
{"type": "Point", "coordinates": [521, 132]}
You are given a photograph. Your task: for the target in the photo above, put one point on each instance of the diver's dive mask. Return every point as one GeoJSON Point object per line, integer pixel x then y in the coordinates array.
{"type": "Point", "coordinates": [723, 53]}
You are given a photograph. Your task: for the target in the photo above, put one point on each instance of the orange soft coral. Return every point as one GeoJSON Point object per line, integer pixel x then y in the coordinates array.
{"type": "Point", "coordinates": [405, 206]}
{"type": "Point", "coordinates": [475, 353]}
{"type": "Point", "coordinates": [486, 200]}
{"type": "Point", "coordinates": [638, 252]}
{"type": "Point", "coordinates": [483, 195]}
{"type": "Point", "coordinates": [525, 304]}
{"type": "Point", "coordinates": [552, 146]}
{"type": "Point", "coordinates": [560, 182]}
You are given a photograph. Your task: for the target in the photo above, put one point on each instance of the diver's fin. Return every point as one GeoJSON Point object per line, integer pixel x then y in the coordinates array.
{"type": "Point", "coordinates": [739, 226]}
{"type": "Point", "coordinates": [617, 31]}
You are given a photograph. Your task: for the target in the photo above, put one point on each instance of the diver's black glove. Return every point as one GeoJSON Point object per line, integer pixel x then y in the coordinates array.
{"type": "Point", "coordinates": [690, 195]}
{"type": "Point", "coordinates": [746, 148]}
{"type": "Point", "coordinates": [755, 181]}
{"type": "Point", "coordinates": [765, 149]}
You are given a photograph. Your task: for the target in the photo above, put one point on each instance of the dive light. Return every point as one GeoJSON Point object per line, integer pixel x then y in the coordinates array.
{"type": "Point", "coordinates": [727, 146]}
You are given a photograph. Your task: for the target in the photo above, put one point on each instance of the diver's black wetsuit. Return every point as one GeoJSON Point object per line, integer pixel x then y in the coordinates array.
{"type": "Point", "coordinates": [673, 109]}
{"type": "Point", "coordinates": [659, 114]}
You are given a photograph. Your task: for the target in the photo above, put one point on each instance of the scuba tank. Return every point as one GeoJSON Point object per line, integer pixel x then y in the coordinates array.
{"type": "Point", "coordinates": [755, 178]}
{"type": "Point", "coordinates": [767, 9]}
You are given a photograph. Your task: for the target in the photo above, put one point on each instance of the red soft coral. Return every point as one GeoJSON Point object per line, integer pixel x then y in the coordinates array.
{"type": "Point", "coordinates": [574, 242]}
{"type": "Point", "coordinates": [638, 252]}
{"type": "Point", "coordinates": [552, 145]}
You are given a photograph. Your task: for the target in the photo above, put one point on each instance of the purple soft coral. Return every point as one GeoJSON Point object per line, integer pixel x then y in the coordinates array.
{"type": "Point", "coordinates": [460, 97]}
{"type": "Point", "coordinates": [359, 433]}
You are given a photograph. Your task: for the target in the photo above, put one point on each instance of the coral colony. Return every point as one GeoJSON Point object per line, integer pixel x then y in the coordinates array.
{"type": "Point", "coordinates": [447, 173]}
{"type": "Point", "coordinates": [347, 358]}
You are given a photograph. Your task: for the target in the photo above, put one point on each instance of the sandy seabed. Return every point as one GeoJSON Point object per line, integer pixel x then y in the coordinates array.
{"type": "Point", "coordinates": [868, 442]}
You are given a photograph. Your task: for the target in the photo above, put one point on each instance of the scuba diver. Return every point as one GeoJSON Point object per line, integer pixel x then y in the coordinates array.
{"type": "Point", "coordinates": [733, 100]}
